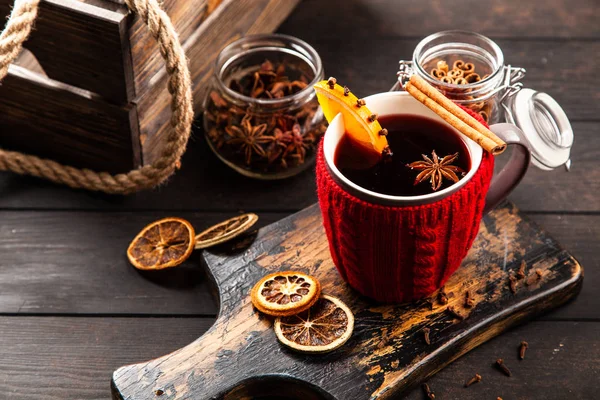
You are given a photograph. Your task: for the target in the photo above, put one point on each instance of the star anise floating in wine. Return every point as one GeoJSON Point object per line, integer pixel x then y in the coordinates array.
{"type": "Point", "coordinates": [436, 169]}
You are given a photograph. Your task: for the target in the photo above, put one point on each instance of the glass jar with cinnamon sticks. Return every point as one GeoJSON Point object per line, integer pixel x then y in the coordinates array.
{"type": "Point", "coordinates": [261, 116]}
{"type": "Point", "coordinates": [469, 69]}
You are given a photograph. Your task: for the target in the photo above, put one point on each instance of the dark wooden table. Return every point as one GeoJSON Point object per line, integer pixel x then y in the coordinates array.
{"type": "Point", "coordinates": [73, 309]}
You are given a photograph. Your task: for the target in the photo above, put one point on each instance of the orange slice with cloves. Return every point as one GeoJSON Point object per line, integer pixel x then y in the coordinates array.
{"type": "Point", "coordinates": [361, 123]}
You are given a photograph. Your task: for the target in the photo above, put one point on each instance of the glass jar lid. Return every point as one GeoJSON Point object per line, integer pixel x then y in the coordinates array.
{"type": "Point", "coordinates": [545, 125]}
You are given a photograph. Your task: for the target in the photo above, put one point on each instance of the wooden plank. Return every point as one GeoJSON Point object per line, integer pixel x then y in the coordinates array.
{"type": "Point", "coordinates": [387, 353]}
{"type": "Point", "coordinates": [560, 190]}
{"type": "Point", "coordinates": [231, 20]}
{"type": "Point", "coordinates": [54, 358]}
{"type": "Point", "coordinates": [401, 18]}
{"type": "Point", "coordinates": [51, 119]}
{"type": "Point", "coordinates": [82, 44]}
{"type": "Point", "coordinates": [75, 263]}
{"type": "Point", "coordinates": [72, 358]}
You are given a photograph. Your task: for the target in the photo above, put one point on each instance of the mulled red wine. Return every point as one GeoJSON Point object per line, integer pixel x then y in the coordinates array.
{"type": "Point", "coordinates": [409, 137]}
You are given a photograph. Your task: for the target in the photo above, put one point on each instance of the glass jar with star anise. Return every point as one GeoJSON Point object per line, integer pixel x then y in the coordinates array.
{"type": "Point", "coordinates": [261, 115]}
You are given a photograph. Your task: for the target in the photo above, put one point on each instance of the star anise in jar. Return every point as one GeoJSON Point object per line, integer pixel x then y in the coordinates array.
{"type": "Point", "coordinates": [285, 88]}
{"type": "Point", "coordinates": [268, 81]}
{"type": "Point", "coordinates": [300, 143]}
{"type": "Point", "coordinates": [436, 169]}
{"type": "Point", "coordinates": [216, 137]}
{"type": "Point", "coordinates": [281, 140]}
{"type": "Point", "coordinates": [250, 139]}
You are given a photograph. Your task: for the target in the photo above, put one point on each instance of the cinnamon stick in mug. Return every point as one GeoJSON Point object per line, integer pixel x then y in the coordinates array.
{"type": "Point", "coordinates": [454, 115]}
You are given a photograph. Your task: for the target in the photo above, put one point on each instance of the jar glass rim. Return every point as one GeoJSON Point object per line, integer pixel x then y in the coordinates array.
{"type": "Point", "coordinates": [496, 49]}
{"type": "Point", "coordinates": [254, 43]}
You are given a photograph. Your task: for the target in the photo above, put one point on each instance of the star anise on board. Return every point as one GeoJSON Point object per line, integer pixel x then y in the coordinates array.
{"type": "Point", "coordinates": [249, 138]}
{"type": "Point", "coordinates": [436, 169]}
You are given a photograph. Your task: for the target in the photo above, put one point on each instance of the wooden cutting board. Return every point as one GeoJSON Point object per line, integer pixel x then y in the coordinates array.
{"type": "Point", "coordinates": [240, 357]}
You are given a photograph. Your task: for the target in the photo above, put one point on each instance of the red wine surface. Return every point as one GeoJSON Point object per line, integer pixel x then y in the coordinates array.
{"type": "Point", "coordinates": [409, 136]}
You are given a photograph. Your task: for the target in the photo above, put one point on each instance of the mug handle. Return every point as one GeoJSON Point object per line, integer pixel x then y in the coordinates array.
{"type": "Point", "coordinates": [511, 174]}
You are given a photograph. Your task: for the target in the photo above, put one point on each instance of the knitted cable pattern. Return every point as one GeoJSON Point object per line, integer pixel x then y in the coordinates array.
{"type": "Point", "coordinates": [425, 258]}
{"type": "Point", "coordinates": [179, 85]}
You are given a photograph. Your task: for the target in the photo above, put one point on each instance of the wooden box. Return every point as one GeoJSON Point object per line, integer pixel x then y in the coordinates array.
{"type": "Point", "coordinates": [90, 90]}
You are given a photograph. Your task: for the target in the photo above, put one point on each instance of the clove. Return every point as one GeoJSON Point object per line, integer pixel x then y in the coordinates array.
{"type": "Point", "coordinates": [469, 301]}
{"type": "Point", "coordinates": [372, 117]}
{"type": "Point", "coordinates": [426, 335]}
{"type": "Point", "coordinates": [539, 273]}
{"type": "Point", "coordinates": [521, 272]}
{"type": "Point", "coordinates": [475, 379]}
{"type": "Point", "coordinates": [430, 395]}
{"type": "Point", "coordinates": [346, 91]}
{"type": "Point", "coordinates": [429, 304]}
{"type": "Point", "coordinates": [512, 284]}
{"type": "Point", "coordinates": [384, 339]}
{"type": "Point", "coordinates": [522, 348]}
{"type": "Point", "coordinates": [331, 82]}
{"type": "Point", "coordinates": [500, 364]}
{"type": "Point", "coordinates": [383, 132]}
{"type": "Point", "coordinates": [360, 103]}
{"type": "Point", "coordinates": [442, 296]}
{"type": "Point", "coordinates": [454, 312]}
{"type": "Point", "coordinates": [533, 278]}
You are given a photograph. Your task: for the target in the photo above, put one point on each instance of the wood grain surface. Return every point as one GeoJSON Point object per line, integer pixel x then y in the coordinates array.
{"type": "Point", "coordinates": [240, 356]}
{"type": "Point", "coordinates": [53, 120]}
{"type": "Point", "coordinates": [66, 42]}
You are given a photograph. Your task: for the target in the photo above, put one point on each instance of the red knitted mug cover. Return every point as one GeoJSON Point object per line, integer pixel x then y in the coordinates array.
{"type": "Point", "coordinates": [399, 254]}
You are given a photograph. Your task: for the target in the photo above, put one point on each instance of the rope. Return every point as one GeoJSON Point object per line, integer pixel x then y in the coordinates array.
{"type": "Point", "coordinates": [179, 85]}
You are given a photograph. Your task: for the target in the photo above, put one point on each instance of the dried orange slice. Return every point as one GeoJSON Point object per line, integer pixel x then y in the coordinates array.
{"type": "Point", "coordinates": [225, 230]}
{"type": "Point", "coordinates": [162, 244]}
{"type": "Point", "coordinates": [285, 293]}
{"type": "Point", "coordinates": [324, 327]}
{"type": "Point", "coordinates": [360, 122]}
